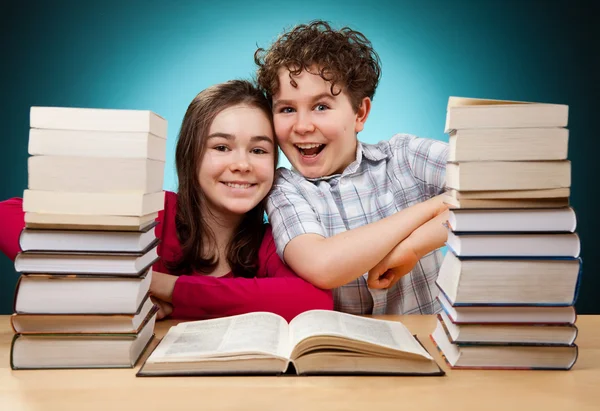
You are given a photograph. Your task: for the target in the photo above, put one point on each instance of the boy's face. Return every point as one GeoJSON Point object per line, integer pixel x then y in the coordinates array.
{"type": "Point", "coordinates": [315, 129]}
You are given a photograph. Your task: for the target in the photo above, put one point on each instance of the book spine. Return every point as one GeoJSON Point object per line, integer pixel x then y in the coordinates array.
{"type": "Point", "coordinates": [578, 285]}
{"type": "Point", "coordinates": [12, 350]}
{"type": "Point", "coordinates": [17, 286]}
{"type": "Point", "coordinates": [12, 323]}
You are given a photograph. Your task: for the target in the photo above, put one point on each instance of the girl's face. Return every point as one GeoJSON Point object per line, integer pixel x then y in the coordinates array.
{"type": "Point", "coordinates": [237, 169]}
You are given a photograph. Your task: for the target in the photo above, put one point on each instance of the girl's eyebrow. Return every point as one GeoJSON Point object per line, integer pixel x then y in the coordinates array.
{"type": "Point", "coordinates": [262, 138]}
{"type": "Point", "coordinates": [232, 137]}
{"type": "Point", "coordinates": [222, 135]}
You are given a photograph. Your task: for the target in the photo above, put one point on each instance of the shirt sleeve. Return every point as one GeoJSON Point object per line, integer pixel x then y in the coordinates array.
{"type": "Point", "coordinates": [426, 159]}
{"type": "Point", "coordinates": [12, 222]}
{"type": "Point", "coordinates": [159, 265]}
{"type": "Point", "coordinates": [168, 248]}
{"type": "Point", "coordinates": [276, 289]}
{"type": "Point", "coordinates": [290, 213]}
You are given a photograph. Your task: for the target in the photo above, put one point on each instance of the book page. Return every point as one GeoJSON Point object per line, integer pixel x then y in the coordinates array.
{"type": "Point", "coordinates": [254, 333]}
{"type": "Point", "coordinates": [391, 334]}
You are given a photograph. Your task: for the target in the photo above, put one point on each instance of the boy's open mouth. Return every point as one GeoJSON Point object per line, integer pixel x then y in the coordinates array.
{"type": "Point", "coordinates": [310, 149]}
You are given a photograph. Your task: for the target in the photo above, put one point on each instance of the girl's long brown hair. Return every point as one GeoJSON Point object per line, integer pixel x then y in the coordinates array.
{"type": "Point", "coordinates": [198, 244]}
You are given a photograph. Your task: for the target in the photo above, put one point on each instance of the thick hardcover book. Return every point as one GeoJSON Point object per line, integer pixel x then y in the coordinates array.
{"type": "Point", "coordinates": [520, 333]}
{"type": "Point", "coordinates": [50, 351]}
{"type": "Point", "coordinates": [476, 113]}
{"type": "Point", "coordinates": [507, 199]}
{"type": "Point", "coordinates": [86, 240]}
{"type": "Point", "coordinates": [98, 119]}
{"type": "Point", "coordinates": [508, 144]}
{"type": "Point", "coordinates": [509, 281]}
{"type": "Point", "coordinates": [85, 262]}
{"type": "Point", "coordinates": [88, 222]}
{"type": "Point", "coordinates": [514, 244]}
{"type": "Point", "coordinates": [504, 314]}
{"type": "Point", "coordinates": [508, 175]}
{"type": "Point", "coordinates": [95, 174]}
{"type": "Point", "coordinates": [93, 144]}
{"type": "Point", "coordinates": [85, 323]}
{"type": "Point", "coordinates": [544, 220]}
{"type": "Point", "coordinates": [503, 356]}
{"type": "Point", "coordinates": [81, 294]}
{"type": "Point", "coordinates": [133, 204]}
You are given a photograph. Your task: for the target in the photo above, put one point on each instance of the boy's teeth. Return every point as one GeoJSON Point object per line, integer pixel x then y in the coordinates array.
{"type": "Point", "coordinates": [233, 185]}
{"type": "Point", "coordinates": [310, 149]}
{"type": "Point", "coordinates": [307, 146]}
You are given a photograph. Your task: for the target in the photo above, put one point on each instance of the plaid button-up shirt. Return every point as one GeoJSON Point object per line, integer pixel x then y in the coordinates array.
{"type": "Point", "coordinates": [385, 178]}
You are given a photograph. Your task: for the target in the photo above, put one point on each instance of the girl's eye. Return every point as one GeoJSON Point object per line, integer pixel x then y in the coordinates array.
{"type": "Point", "coordinates": [259, 151]}
{"type": "Point", "coordinates": [286, 110]}
{"type": "Point", "coordinates": [221, 148]}
{"type": "Point", "coordinates": [321, 107]}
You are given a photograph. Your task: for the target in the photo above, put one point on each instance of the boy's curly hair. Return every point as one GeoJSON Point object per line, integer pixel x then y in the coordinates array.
{"type": "Point", "coordinates": [343, 57]}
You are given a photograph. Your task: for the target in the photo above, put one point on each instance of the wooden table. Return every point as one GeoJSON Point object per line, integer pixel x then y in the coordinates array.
{"type": "Point", "coordinates": [119, 389]}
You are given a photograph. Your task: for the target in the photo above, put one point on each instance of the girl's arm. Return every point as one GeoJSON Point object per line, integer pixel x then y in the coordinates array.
{"type": "Point", "coordinates": [196, 297]}
{"type": "Point", "coordinates": [12, 222]}
{"type": "Point", "coordinates": [276, 289]}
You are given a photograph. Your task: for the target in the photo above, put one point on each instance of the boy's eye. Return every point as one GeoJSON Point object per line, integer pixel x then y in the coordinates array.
{"type": "Point", "coordinates": [321, 107]}
{"type": "Point", "coordinates": [221, 148]}
{"type": "Point", "coordinates": [259, 151]}
{"type": "Point", "coordinates": [286, 110]}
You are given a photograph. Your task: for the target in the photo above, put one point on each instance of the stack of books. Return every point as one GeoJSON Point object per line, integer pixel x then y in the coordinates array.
{"type": "Point", "coordinates": [509, 280]}
{"type": "Point", "coordinates": [95, 181]}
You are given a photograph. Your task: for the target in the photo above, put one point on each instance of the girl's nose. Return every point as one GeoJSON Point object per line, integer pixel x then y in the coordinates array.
{"type": "Point", "coordinates": [240, 164]}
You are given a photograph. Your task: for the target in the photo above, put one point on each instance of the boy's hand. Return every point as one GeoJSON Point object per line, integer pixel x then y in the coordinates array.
{"type": "Point", "coordinates": [164, 308]}
{"type": "Point", "coordinates": [399, 262]}
{"type": "Point", "coordinates": [439, 205]}
{"type": "Point", "coordinates": [402, 259]}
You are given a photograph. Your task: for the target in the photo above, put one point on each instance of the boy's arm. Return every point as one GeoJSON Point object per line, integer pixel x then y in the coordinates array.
{"type": "Point", "coordinates": [402, 259]}
{"type": "Point", "coordinates": [426, 158]}
{"type": "Point", "coordinates": [334, 261]}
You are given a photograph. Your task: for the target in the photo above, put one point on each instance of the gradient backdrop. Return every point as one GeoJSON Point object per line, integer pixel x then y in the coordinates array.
{"type": "Point", "coordinates": [158, 55]}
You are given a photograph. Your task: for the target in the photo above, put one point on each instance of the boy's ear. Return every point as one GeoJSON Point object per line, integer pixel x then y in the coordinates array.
{"type": "Point", "coordinates": [361, 114]}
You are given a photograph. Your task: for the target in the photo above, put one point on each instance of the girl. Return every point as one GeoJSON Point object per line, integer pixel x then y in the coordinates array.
{"type": "Point", "coordinates": [218, 257]}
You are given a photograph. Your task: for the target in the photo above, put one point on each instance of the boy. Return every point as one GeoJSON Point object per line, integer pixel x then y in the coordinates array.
{"type": "Point", "coordinates": [352, 217]}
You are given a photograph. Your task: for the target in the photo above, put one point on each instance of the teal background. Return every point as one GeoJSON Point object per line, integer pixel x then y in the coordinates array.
{"type": "Point", "coordinates": [158, 55]}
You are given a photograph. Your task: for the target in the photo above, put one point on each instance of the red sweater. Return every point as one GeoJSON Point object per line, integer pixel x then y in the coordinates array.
{"type": "Point", "coordinates": [275, 288]}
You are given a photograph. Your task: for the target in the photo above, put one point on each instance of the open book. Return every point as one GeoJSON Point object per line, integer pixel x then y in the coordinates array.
{"type": "Point", "coordinates": [315, 342]}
